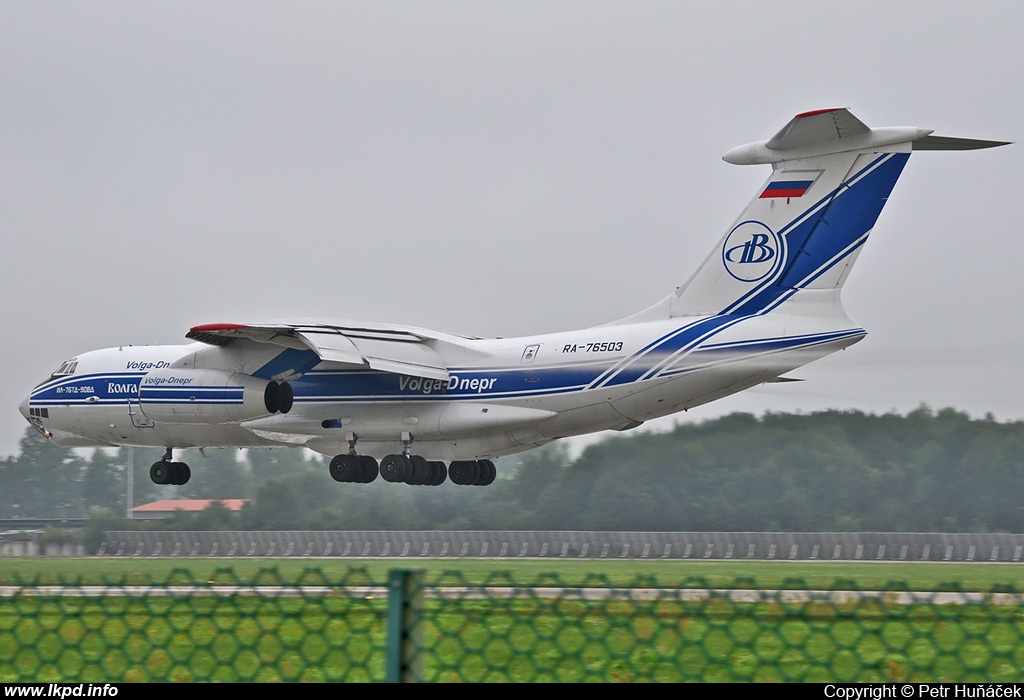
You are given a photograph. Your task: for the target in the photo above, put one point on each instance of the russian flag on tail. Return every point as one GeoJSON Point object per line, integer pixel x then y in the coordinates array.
{"type": "Point", "coordinates": [786, 188]}
{"type": "Point", "coordinates": [792, 183]}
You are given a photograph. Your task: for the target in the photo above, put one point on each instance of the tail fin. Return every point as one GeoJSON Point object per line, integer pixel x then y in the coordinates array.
{"type": "Point", "coordinates": [805, 226]}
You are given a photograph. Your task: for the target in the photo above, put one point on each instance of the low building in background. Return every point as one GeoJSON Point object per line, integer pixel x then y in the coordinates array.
{"type": "Point", "coordinates": [168, 507]}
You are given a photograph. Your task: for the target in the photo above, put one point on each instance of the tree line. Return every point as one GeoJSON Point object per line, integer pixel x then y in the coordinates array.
{"type": "Point", "coordinates": [826, 471]}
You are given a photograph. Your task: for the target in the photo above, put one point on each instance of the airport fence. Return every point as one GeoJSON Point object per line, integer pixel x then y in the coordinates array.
{"type": "Point", "coordinates": [414, 627]}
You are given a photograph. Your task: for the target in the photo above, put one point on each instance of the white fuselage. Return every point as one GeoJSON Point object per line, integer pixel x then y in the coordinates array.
{"type": "Point", "coordinates": [503, 395]}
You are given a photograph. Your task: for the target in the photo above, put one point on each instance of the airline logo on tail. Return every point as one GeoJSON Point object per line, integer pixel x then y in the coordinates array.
{"type": "Point", "coordinates": [751, 252]}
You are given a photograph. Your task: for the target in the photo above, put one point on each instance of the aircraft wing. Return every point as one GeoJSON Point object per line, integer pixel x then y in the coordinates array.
{"type": "Point", "coordinates": [378, 346]}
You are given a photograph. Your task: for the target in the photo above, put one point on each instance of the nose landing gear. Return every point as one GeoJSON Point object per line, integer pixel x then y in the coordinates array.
{"type": "Point", "coordinates": [166, 472]}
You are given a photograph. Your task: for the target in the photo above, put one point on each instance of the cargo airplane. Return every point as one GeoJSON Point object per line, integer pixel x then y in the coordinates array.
{"type": "Point", "coordinates": [765, 301]}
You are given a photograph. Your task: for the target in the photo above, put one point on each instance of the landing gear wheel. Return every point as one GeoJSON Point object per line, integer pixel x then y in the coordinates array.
{"type": "Point", "coordinates": [183, 473]}
{"type": "Point", "coordinates": [161, 472]}
{"type": "Point", "coordinates": [170, 473]}
{"type": "Point", "coordinates": [488, 472]}
{"type": "Point", "coordinates": [420, 472]}
{"type": "Point", "coordinates": [360, 469]}
{"type": "Point", "coordinates": [461, 472]}
{"type": "Point", "coordinates": [395, 468]}
{"type": "Point", "coordinates": [438, 473]}
{"type": "Point", "coordinates": [337, 468]}
{"type": "Point", "coordinates": [370, 469]}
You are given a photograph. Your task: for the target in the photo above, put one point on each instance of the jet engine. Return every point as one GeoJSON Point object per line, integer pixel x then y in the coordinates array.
{"type": "Point", "coordinates": [210, 396]}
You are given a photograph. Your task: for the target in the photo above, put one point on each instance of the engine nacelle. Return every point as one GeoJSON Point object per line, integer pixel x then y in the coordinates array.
{"type": "Point", "coordinates": [210, 396]}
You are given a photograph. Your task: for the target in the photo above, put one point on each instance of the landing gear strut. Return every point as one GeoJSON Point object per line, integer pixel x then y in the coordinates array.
{"type": "Point", "coordinates": [167, 472]}
{"type": "Point", "coordinates": [396, 468]}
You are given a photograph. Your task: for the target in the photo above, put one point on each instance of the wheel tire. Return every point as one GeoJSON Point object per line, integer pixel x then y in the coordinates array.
{"type": "Point", "coordinates": [160, 472]}
{"type": "Point", "coordinates": [460, 472]}
{"type": "Point", "coordinates": [438, 473]}
{"type": "Point", "coordinates": [184, 474]}
{"type": "Point", "coordinates": [370, 469]}
{"type": "Point", "coordinates": [394, 468]}
{"type": "Point", "coordinates": [337, 468]}
{"type": "Point", "coordinates": [488, 472]}
{"type": "Point", "coordinates": [353, 468]}
{"type": "Point", "coordinates": [420, 472]}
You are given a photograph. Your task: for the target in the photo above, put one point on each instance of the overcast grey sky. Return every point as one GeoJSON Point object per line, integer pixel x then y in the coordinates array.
{"type": "Point", "coordinates": [493, 169]}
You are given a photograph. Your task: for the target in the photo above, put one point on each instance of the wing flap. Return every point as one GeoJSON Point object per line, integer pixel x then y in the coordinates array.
{"type": "Point", "coordinates": [333, 347]}
{"type": "Point", "coordinates": [402, 357]}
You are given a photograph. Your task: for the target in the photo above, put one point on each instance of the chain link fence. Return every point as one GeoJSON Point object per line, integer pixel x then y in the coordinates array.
{"type": "Point", "coordinates": [411, 627]}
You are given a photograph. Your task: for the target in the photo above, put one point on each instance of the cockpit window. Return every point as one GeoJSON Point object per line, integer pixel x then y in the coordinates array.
{"type": "Point", "coordinates": [67, 368]}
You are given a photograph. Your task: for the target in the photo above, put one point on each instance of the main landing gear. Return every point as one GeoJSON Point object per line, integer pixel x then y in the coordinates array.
{"type": "Point", "coordinates": [167, 472]}
{"type": "Point", "coordinates": [410, 469]}
{"type": "Point", "coordinates": [413, 470]}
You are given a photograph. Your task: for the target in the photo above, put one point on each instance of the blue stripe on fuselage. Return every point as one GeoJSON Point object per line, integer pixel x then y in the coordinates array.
{"type": "Point", "coordinates": [193, 395]}
{"type": "Point", "coordinates": [649, 360]}
{"type": "Point", "coordinates": [103, 386]}
{"type": "Point", "coordinates": [727, 353]}
{"type": "Point", "coordinates": [779, 341]}
{"type": "Point", "coordinates": [464, 383]}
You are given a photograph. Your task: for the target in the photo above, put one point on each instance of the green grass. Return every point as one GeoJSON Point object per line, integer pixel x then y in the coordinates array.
{"type": "Point", "coordinates": [720, 641]}
{"type": "Point", "coordinates": [774, 575]}
{"type": "Point", "coordinates": [334, 637]}
{"type": "Point", "coordinates": [191, 639]}
{"type": "Point", "coordinates": [245, 638]}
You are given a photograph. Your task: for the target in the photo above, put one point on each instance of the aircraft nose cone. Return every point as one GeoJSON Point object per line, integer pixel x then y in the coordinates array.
{"type": "Point", "coordinates": [23, 407]}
